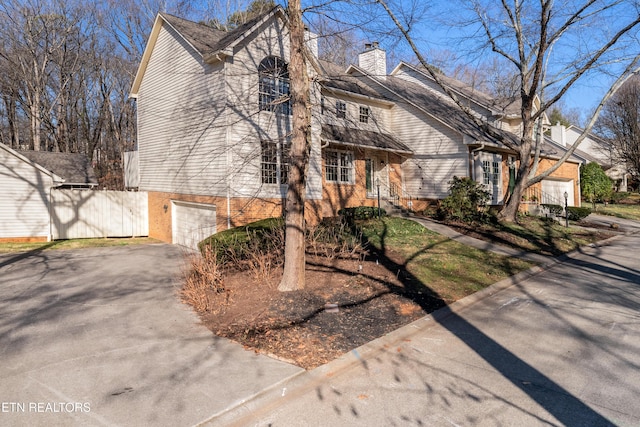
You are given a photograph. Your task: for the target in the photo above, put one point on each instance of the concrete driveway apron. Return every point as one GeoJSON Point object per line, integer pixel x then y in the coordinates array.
{"type": "Point", "coordinates": [98, 337]}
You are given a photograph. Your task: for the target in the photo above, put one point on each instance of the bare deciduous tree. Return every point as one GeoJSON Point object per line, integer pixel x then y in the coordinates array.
{"type": "Point", "coordinates": [550, 46]}
{"type": "Point", "coordinates": [294, 250]}
{"type": "Point", "coordinates": [620, 126]}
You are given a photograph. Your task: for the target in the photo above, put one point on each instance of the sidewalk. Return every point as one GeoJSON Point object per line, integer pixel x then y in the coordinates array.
{"type": "Point", "coordinates": [561, 347]}
{"type": "Point", "coordinates": [480, 244]}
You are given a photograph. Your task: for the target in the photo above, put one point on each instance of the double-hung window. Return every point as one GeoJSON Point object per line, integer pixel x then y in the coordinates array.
{"type": "Point", "coordinates": [339, 166]}
{"type": "Point", "coordinates": [490, 172]}
{"type": "Point", "coordinates": [341, 110]}
{"type": "Point", "coordinates": [274, 164]}
{"type": "Point", "coordinates": [364, 114]}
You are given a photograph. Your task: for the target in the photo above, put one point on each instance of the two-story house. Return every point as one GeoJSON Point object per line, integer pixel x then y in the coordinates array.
{"type": "Point", "coordinates": [214, 127]}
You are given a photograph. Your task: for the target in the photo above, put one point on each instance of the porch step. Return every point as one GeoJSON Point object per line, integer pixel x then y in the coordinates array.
{"type": "Point", "coordinates": [391, 208]}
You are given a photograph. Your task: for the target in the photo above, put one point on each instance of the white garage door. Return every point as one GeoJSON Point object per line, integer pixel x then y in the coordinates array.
{"type": "Point", "coordinates": [192, 223]}
{"type": "Point", "coordinates": [553, 191]}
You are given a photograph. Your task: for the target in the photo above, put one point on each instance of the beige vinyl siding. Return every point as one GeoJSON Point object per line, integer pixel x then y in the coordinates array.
{"type": "Point", "coordinates": [378, 119]}
{"type": "Point", "coordinates": [249, 125]}
{"type": "Point", "coordinates": [181, 122]}
{"type": "Point", "coordinates": [588, 146]}
{"type": "Point", "coordinates": [24, 198]}
{"type": "Point", "coordinates": [439, 153]}
{"type": "Point", "coordinates": [314, 172]}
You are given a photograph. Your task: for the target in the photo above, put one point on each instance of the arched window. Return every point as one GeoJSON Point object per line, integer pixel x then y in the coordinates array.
{"type": "Point", "coordinates": [273, 92]}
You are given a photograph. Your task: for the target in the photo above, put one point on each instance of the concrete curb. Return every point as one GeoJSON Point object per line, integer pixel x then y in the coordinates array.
{"type": "Point", "coordinates": [249, 411]}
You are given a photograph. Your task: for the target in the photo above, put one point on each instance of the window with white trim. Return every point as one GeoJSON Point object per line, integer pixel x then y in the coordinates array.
{"type": "Point", "coordinates": [274, 161]}
{"type": "Point", "coordinates": [341, 110]}
{"type": "Point", "coordinates": [338, 166]}
{"type": "Point", "coordinates": [490, 172]}
{"type": "Point", "coordinates": [365, 113]}
{"type": "Point", "coordinates": [273, 90]}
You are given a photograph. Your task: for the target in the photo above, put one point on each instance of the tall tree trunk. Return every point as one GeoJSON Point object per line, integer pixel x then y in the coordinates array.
{"type": "Point", "coordinates": [12, 119]}
{"type": "Point", "coordinates": [294, 248]}
{"type": "Point", "coordinates": [34, 113]}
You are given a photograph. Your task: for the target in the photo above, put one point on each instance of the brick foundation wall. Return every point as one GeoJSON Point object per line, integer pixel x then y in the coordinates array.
{"type": "Point", "coordinates": [243, 211]}
{"type": "Point", "coordinates": [38, 239]}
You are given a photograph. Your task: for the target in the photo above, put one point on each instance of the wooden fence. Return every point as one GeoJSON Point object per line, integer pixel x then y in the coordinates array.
{"type": "Point", "coordinates": [77, 214]}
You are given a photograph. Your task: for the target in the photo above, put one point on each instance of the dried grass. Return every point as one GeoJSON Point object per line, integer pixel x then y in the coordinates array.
{"type": "Point", "coordinates": [203, 281]}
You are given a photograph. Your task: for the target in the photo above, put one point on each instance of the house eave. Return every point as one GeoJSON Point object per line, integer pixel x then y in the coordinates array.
{"type": "Point", "coordinates": [146, 55]}
{"type": "Point", "coordinates": [366, 147]}
{"type": "Point", "coordinates": [219, 56]}
{"type": "Point", "coordinates": [367, 98]}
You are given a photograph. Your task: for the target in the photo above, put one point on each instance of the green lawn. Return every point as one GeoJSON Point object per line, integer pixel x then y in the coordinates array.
{"type": "Point", "coordinates": [443, 266]}
{"type": "Point", "coordinates": [619, 210]}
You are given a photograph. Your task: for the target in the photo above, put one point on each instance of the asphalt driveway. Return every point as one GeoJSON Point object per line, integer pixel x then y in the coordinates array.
{"type": "Point", "coordinates": [98, 337]}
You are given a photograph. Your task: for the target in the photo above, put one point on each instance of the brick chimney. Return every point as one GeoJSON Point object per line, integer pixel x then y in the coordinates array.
{"type": "Point", "coordinates": [373, 60]}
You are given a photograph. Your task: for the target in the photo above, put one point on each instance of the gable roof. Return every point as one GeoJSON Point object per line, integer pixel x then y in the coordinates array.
{"type": "Point", "coordinates": [433, 105]}
{"type": "Point", "coordinates": [335, 79]}
{"type": "Point", "coordinates": [211, 44]}
{"type": "Point", "coordinates": [592, 136]}
{"type": "Point", "coordinates": [552, 150]}
{"type": "Point", "coordinates": [17, 154]}
{"type": "Point", "coordinates": [74, 168]}
{"type": "Point", "coordinates": [509, 107]}
{"type": "Point", "coordinates": [443, 110]}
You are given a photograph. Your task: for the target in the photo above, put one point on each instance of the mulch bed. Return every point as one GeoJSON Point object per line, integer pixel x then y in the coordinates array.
{"type": "Point", "coordinates": [345, 304]}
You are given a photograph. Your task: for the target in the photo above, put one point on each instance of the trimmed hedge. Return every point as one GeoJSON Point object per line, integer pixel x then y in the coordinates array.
{"type": "Point", "coordinates": [555, 210]}
{"type": "Point", "coordinates": [576, 213]}
{"type": "Point", "coordinates": [238, 241]}
{"type": "Point", "coordinates": [619, 197]}
{"type": "Point", "coordinates": [361, 212]}
{"type": "Point", "coordinates": [466, 201]}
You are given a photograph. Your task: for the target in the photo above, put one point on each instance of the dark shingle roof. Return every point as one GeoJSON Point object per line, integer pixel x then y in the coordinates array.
{"type": "Point", "coordinates": [553, 150]}
{"type": "Point", "coordinates": [208, 40]}
{"type": "Point", "coordinates": [362, 138]}
{"type": "Point", "coordinates": [509, 106]}
{"type": "Point", "coordinates": [75, 168]}
{"type": "Point", "coordinates": [334, 77]}
{"type": "Point", "coordinates": [442, 109]}
{"type": "Point", "coordinates": [202, 37]}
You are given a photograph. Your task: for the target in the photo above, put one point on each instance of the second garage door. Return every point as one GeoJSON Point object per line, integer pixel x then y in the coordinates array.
{"type": "Point", "coordinates": [192, 222]}
{"type": "Point", "coordinates": [553, 191]}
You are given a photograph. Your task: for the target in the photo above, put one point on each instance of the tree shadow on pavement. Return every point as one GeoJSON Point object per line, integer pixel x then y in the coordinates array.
{"type": "Point", "coordinates": [555, 399]}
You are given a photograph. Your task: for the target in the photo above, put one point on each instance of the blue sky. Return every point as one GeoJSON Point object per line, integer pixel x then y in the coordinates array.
{"type": "Point", "coordinates": [438, 32]}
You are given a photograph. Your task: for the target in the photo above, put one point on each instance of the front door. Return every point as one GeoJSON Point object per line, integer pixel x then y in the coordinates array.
{"type": "Point", "coordinates": [376, 174]}
{"type": "Point", "coordinates": [369, 165]}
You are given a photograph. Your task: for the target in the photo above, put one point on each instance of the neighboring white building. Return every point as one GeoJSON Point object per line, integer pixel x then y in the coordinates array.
{"type": "Point", "coordinates": [26, 181]}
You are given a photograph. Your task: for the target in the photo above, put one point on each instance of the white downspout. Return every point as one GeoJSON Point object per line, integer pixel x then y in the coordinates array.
{"type": "Point", "coordinates": [229, 159]}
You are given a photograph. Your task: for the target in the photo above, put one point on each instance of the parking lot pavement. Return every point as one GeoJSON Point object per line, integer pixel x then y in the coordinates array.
{"type": "Point", "coordinates": [99, 337]}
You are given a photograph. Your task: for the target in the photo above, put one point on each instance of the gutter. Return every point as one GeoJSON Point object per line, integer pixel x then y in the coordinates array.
{"type": "Point", "coordinates": [218, 56]}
